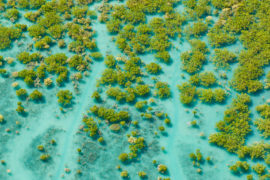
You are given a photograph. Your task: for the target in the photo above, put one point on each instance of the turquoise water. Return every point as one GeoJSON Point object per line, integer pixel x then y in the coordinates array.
{"type": "Point", "coordinates": [44, 122]}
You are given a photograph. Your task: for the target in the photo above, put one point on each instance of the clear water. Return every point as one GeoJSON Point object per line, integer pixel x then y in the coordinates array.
{"type": "Point", "coordinates": [98, 162]}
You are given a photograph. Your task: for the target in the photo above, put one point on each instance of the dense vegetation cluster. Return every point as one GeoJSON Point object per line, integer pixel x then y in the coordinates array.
{"type": "Point", "coordinates": [235, 126]}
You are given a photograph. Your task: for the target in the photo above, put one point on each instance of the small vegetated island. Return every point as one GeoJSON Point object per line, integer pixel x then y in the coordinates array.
{"type": "Point", "coordinates": [126, 88]}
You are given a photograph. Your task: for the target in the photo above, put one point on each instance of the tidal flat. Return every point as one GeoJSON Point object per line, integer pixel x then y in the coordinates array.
{"type": "Point", "coordinates": [134, 89]}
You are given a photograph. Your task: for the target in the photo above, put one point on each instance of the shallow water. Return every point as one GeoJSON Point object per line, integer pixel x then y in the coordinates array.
{"type": "Point", "coordinates": [45, 122]}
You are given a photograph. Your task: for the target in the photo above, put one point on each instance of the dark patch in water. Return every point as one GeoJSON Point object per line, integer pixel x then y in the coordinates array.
{"type": "Point", "coordinates": [31, 158]}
